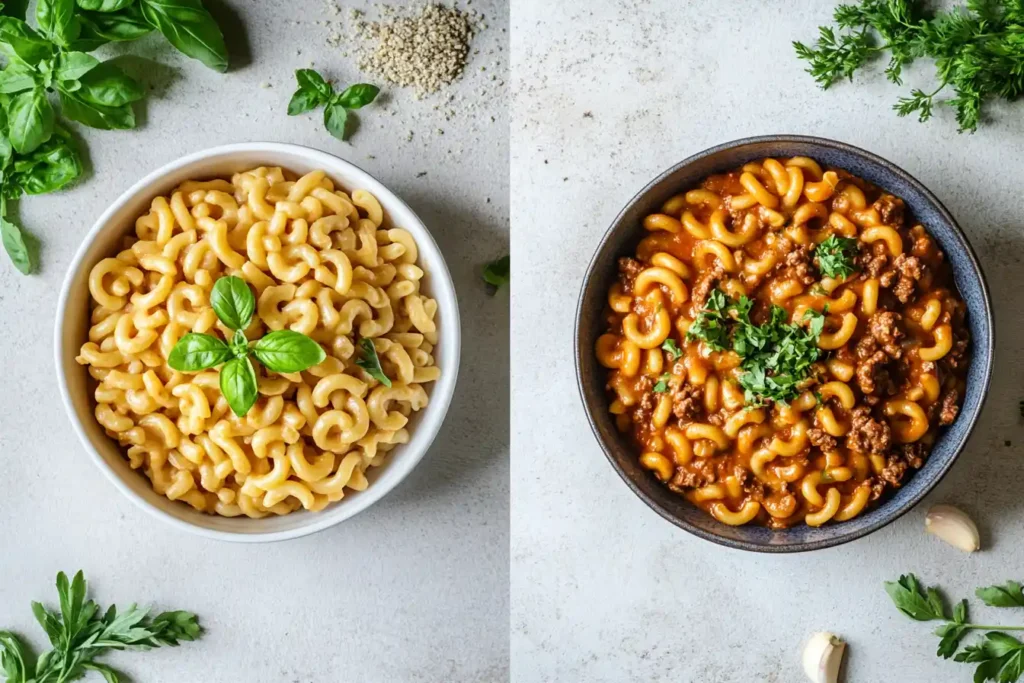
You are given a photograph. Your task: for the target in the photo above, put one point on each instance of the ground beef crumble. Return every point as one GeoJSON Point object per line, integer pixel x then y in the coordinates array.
{"type": "Point", "coordinates": [629, 268]}
{"type": "Point", "coordinates": [891, 209]}
{"type": "Point", "coordinates": [868, 435]}
{"type": "Point", "coordinates": [687, 402]}
{"type": "Point", "coordinates": [705, 283]}
{"type": "Point", "coordinates": [822, 439]}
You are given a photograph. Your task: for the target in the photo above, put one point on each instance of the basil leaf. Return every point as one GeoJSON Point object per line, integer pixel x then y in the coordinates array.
{"type": "Point", "coordinates": [195, 352]}
{"type": "Point", "coordinates": [357, 96]}
{"type": "Point", "coordinates": [310, 80]}
{"type": "Point", "coordinates": [30, 120]}
{"type": "Point", "coordinates": [108, 86]}
{"type": "Point", "coordinates": [18, 40]}
{"type": "Point", "coordinates": [240, 344]}
{"type": "Point", "coordinates": [239, 385]}
{"type": "Point", "coordinates": [335, 117]}
{"type": "Point", "coordinates": [370, 362]}
{"type": "Point", "coordinates": [96, 115]}
{"type": "Point", "coordinates": [14, 243]}
{"type": "Point", "coordinates": [99, 28]}
{"type": "Point", "coordinates": [15, 8]}
{"type": "Point", "coordinates": [233, 302]}
{"type": "Point", "coordinates": [104, 5]}
{"type": "Point", "coordinates": [190, 28]}
{"type": "Point", "coordinates": [49, 168]}
{"type": "Point", "coordinates": [57, 20]}
{"type": "Point", "coordinates": [6, 151]}
{"type": "Point", "coordinates": [302, 101]}
{"type": "Point", "coordinates": [288, 351]}
{"type": "Point", "coordinates": [17, 77]}
{"type": "Point", "coordinates": [498, 272]}
{"type": "Point", "coordinates": [71, 66]}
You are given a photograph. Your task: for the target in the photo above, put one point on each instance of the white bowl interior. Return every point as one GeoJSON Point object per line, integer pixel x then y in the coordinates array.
{"type": "Point", "coordinates": [103, 240]}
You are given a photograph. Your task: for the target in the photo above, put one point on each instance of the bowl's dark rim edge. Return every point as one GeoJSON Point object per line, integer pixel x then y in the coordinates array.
{"type": "Point", "coordinates": [840, 538]}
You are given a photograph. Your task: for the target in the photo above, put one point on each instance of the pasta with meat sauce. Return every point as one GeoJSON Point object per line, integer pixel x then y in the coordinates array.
{"type": "Point", "coordinates": [785, 345]}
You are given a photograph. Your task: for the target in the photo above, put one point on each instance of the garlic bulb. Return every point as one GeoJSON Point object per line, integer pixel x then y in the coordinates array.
{"type": "Point", "coordinates": [953, 526]}
{"type": "Point", "coordinates": [822, 657]}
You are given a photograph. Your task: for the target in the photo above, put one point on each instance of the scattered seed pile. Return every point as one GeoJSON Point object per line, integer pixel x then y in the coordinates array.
{"type": "Point", "coordinates": [424, 48]}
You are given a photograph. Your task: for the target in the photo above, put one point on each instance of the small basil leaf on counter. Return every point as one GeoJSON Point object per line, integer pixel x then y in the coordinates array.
{"type": "Point", "coordinates": [14, 244]}
{"type": "Point", "coordinates": [233, 302]}
{"type": "Point", "coordinates": [71, 66]}
{"type": "Point", "coordinates": [30, 120]}
{"type": "Point", "coordinates": [288, 351]}
{"type": "Point", "coordinates": [498, 273]}
{"type": "Point", "coordinates": [370, 362]}
{"type": "Point", "coordinates": [312, 81]}
{"type": "Point", "coordinates": [53, 165]}
{"type": "Point", "coordinates": [190, 28]}
{"type": "Point", "coordinates": [239, 386]}
{"type": "Point", "coordinates": [195, 352]}
{"type": "Point", "coordinates": [108, 86]}
{"type": "Point", "coordinates": [302, 101]}
{"type": "Point", "coordinates": [100, 28]}
{"type": "Point", "coordinates": [357, 96]}
{"type": "Point", "coordinates": [335, 118]}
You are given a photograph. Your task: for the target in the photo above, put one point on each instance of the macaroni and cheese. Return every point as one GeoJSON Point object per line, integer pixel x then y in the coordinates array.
{"type": "Point", "coordinates": [785, 345]}
{"type": "Point", "coordinates": [321, 262]}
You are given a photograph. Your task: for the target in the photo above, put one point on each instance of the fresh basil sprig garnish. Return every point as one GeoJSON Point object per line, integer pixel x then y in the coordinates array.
{"type": "Point", "coordinates": [280, 351]}
{"type": "Point", "coordinates": [314, 91]}
{"type": "Point", "coordinates": [37, 155]}
{"type": "Point", "coordinates": [497, 273]}
{"type": "Point", "coordinates": [370, 362]}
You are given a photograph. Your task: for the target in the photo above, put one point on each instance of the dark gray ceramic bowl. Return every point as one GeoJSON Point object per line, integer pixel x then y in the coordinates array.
{"type": "Point", "coordinates": [621, 240]}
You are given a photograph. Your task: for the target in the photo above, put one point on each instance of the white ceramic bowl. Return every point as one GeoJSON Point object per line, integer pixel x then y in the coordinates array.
{"type": "Point", "coordinates": [103, 240]}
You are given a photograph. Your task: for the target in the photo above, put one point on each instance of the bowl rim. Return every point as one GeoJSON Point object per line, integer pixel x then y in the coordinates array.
{"type": "Point", "coordinates": [440, 398]}
{"type": "Point", "coordinates": [988, 350]}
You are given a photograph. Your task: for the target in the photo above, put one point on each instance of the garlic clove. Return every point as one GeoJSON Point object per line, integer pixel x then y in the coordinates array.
{"type": "Point", "coordinates": [953, 526]}
{"type": "Point", "coordinates": [822, 657]}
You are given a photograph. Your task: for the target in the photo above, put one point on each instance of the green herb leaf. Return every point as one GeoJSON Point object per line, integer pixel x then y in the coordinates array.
{"type": "Point", "coordinates": [913, 600]}
{"type": "Point", "coordinates": [99, 28]}
{"type": "Point", "coordinates": [14, 658]}
{"type": "Point", "coordinates": [303, 101]}
{"type": "Point", "coordinates": [195, 352]}
{"type": "Point", "coordinates": [233, 302]}
{"type": "Point", "coordinates": [662, 385]}
{"type": "Point", "coordinates": [288, 351]}
{"type": "Point", "coordinates": [20, 42]}
{"type": "Point", "coordinates": [18, 77]}
{"type": "Point", "coordinates": [190, 28]}
{"type": "Point", "coordinates": [357, 96]}
{"type": "Point", "coordinates": [104, 5]}
{"type": "Point", "coordinates": [71, 66]}
{"type": "Point", "coordinates": [335, 117]}
{"type": "Point", "coordinates": [835, 256]}
{"type": "Point", "coordinates": [370, 362]}
{"type": "Point", "coordinates": [673, 351]}
{"type": "Point", "coordinates": [57, 20]}
{"type": "Point", "coordinates": [498, 272]}
{"type": "Point", "coordinates": [30, 120]}
{"type": "Point", "coordinates": [107, 85]}
{"type": "Point", "coordinates": [710, 325]}
{"type": "Point", "coordinates": [240, 344]}
{"type": "Point", "coordinates": [1010, 594]}
{"type": "Point", "coordinates": [14, 244]}
{"type": "Point", "coordinates": [238, 385]}
{"type": "Point", "coordinates": [50, 167]}
{"type": "Point", "coordinates": [94, 115]}
{"type": "Point", "coordinates": [311, 80]}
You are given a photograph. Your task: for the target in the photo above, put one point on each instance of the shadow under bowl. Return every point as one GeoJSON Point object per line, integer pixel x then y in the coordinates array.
{"type": "Point", "coordinates": [622, 238]}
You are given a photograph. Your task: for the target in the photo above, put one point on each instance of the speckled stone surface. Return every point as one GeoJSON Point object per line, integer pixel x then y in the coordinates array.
{"type": "Point", "coordinates": [607, 95]}
{"type": "Point", "coordinates": [413, 589]}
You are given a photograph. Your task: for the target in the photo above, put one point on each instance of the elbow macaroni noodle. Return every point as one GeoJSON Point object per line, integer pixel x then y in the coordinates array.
{"type": "Point", "coordinates": [322, 262]}
{"type": "Point", "coordinates": [893, 350]}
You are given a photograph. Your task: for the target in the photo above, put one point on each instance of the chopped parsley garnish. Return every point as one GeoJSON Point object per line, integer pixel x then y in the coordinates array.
{"type": "Point", "coordinates": [835, 256]}
{"type": "Point", "coordinates": [776, 355]}
{"type": "Point", "coordinates": [673, 350]}
{"type": "Point", "coordinates": [662, 386]}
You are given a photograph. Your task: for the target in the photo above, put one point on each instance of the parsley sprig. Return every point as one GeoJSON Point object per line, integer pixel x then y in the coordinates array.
{"type": "Point", "coordinates": [977, 51]}
{"type": "Point", "coordinates": [835, 256]}
{"type": "Point", "coordinates": [999, 656]}
{"type": "Point", "coordinates": [80, 632]}
{"type": "Point", "coordinates": [776, 355]}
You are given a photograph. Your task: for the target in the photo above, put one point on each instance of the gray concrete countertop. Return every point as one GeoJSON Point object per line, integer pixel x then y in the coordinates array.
{"type": "Point", "coordinates": [608, 94]}
{"type": "Point", "coordinates": [413, 589]}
